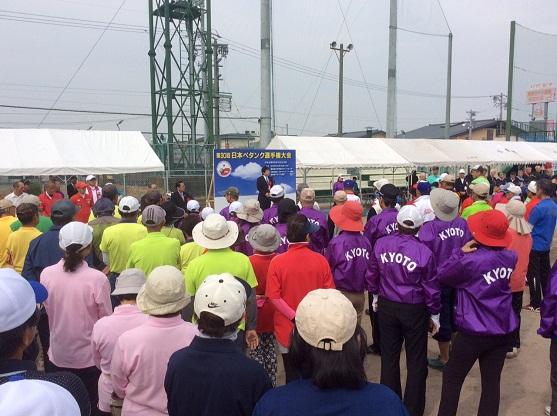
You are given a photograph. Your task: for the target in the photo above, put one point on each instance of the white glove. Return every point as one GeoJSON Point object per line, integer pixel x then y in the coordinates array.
{"type": "Point", "coordinates": [374, 303]}
{"type": "Point", "coordinates": [436, 324]}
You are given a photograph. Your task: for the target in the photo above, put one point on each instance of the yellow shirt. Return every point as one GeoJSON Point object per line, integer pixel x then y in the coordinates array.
{"type": "Point", "coordinates": [116, 215]}
{"type": "Point", "coordinates": [5, 231]}
{"type": "Point", "coordinates": [174, 232]}
{"type": "Point", "coordinates": [116, 242]}
{"type": "Point", "coordinates": [188, 252]}
{"type": "Point", "coordinates": [152, 251]}
{"type": "Point", "coordinates": [17, 246]}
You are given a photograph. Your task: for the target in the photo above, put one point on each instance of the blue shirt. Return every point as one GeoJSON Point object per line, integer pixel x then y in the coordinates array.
{"type": "Point", "coordinates": [543, 218]}
{"type": "Point", "coordinates": [302, 397]}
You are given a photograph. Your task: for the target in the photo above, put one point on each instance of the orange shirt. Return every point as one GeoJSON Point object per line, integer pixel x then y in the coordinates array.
{"type": "Point", "coordinates": [48, 201]}
{"type": "Point", "coordinates": [84, 204]}
{"type": "Point", "coordinates": [530, 206]}
{"type": "Point", "coordinates": [521, 244]}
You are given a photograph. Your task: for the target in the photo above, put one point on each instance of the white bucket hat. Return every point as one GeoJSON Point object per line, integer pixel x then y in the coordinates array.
{"type": "Point", "coordinates": [129, 282]}
{"type": "Point", "coordinates": [326, 319]}
{"type": "Point", "coordinates": [164, 292]}
{"type": "Point", "coordinates": [215, 232]}
{"type": "Point", "coordinates": [444, 204]}
{"type": "Point", "coordinates": [515, 210]}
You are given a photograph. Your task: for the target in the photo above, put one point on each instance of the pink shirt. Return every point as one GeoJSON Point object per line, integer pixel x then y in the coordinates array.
{"type": "Point", "coordinates": [75, 302]}
{"type": "Point", "coordinates": [139, 363]}
{"type": "Point", "coordinates": [105, 335]}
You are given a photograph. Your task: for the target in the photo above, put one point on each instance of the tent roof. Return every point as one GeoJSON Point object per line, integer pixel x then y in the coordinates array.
{"type": "Point", "coordinates": [338, 152]}
{"type": "Point", "coordinates": [344, 152]}
{"type": "Point", "coordinates": [75, 152]}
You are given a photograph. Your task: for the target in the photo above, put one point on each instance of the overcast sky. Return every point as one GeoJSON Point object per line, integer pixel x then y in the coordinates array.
{"type": "Point", "coordinates": [38, 60]}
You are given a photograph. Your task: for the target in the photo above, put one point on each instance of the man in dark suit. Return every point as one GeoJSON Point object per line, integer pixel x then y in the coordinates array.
{"type": "Point", "coordinates": [180, 197]}
{"type": "Point", "coordinates": [264, 184]}
{"type": "Point", "coordinates": [461, 184]}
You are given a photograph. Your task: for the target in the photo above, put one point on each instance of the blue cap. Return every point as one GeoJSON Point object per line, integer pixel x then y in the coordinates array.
{"type": "Point", "coordinates": [41, 293]}
{"type": "Point", "coordinates": [424, 187]}
{"type": "Point", "coordinates": [349, 183]}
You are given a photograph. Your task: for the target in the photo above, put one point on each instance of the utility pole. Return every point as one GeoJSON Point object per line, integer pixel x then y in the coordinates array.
{"type": "Point", "coordinates": [265, 120]}
{"type": "Point", "coordinates": [391, 84]}
{"type": "Point", "coordinates": [448, 97]}
{"type": "Point", "coordinates": [340, 52]}
{"type": "Point", "coordinates": [471, 119]}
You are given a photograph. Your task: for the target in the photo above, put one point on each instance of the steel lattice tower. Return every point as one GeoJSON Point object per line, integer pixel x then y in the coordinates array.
{"type": "Point", "coordinates": [180, 55]}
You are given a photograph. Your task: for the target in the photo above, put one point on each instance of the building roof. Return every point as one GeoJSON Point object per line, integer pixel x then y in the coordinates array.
{"type": "Point", "coordinates": [437, 131]}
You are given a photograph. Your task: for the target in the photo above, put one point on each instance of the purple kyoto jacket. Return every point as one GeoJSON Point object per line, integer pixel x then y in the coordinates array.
{"type": "Point", "coordinates": [270, 215]}
{"type": "Point", "coordinates": [548, 312]}
{"type": "Point", "coordinates": [403, 270]}
{"type": "Point", "coordinates": [483, 293]}
{"type": "Point", "coordinates": [444, 237]}
{"type": "Point", "coordinates": [283, 248]}
{"type": "Point", "coordinates": [381, 225]}
{"type": "Point", "coordinates": [320, 239]}
{"type": "Point", "coordinates": [349, 255]}
{"type": "Point", "coordinates": [244, 246]}
{"type": "Point", "coordinates": [225, 212]}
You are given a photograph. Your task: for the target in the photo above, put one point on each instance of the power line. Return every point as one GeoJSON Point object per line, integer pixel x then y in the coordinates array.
{"type": "Point", "coordinates": [444, 16]}
{"type": "Point", "coordinates": [315, 95]}
{"type": "Point", "coordinates": [82, 62]}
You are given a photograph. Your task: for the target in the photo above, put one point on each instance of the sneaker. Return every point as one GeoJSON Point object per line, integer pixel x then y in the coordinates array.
{"type": "Point", "coordinates": [532, 308]}
{"type": "Point", "coordinates": [512, 354]}
{"type": "Point", "coordinates": [436, 363]}
{"type": "Point", "coordinates": [548, 410]}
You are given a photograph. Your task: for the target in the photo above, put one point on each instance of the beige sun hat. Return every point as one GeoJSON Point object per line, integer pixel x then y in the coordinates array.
{"type": "Point", "coordinates": [215, 232]}
{"type": "Point", "coordinates": [444, 204]}
{"type": "Point", "coordinates": [264, 238]}
{"type": "Point", "coordinates": [250, 211]}
{"type": "Point", "coordinates": [515, 210]}
{"type": "Point", "coordinates": [326, 319]}
{"type": "Point", "coordinates": [164, 292]}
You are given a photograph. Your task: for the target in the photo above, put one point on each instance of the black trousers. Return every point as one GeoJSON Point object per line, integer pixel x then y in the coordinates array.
{"type": "Point", "coordinates": [400, 322]}
{"type": "Point", "coordinates": [467, 348]}
{"type": "Point", "coordinates": [517, 308]}
{"type": "Point", "coordinates": [375, 331]}
{"type": "Point", "coordinates": [538, 273]}
{"type": "Point", "coordinates": [553, 359]}
{"type": "Point", "coordinates": [90, 377]}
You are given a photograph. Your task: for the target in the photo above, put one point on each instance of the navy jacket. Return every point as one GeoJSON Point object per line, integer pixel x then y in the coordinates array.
{"type": "Point", "coordinates": [213, 377]}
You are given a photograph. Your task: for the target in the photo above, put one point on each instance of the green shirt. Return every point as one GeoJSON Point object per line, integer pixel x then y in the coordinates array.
{"type": "Point", "coordinates": [188, 252]}
{"type": "Point", "coordinates": [216, 262]}
{"type": "Point", "coordinates": [43, 226]}
{"type": "Point", "coordinates": [476, 207]}
{"type": "Point", "coordinates": [154, 250]}
{"type": "Point", "coordinates": [174, 232]}
{"type": "Point", "coordinates": [116, 242]}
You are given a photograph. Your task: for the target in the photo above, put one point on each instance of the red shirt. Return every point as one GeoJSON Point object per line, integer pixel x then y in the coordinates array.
{"type": "Point", "coordinates": [521, 244]}
{"type": "Point", "coordinates": [48, 201]}
{"type": "Point", "coordinates": [467, 202]}
{"type": "Point", "coordinates": [290, 277]}
{"type": "Point", "coordinates": [265, 312]}
{"type": "Point", "coordinates": [530, 206]}
{"type": "Point", "coordinates": [84, 203]}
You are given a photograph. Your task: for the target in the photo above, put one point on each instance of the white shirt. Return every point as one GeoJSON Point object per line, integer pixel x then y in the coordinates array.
{"type": "Point", "coordinates": [16, 200]}
{"type": "Point", "coordinates": [423, 204]}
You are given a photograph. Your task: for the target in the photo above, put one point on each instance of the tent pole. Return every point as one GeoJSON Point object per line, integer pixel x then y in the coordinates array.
{"type": "Point", "coordinates": [125, 184]}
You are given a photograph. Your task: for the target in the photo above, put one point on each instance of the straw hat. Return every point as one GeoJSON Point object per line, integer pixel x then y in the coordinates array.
{"type": "Point", "coordinates": [164, 292]}
{"type": "Point", "coordinates": [250, 211]}
{"type": "Point", "coordinates": [215, 232]}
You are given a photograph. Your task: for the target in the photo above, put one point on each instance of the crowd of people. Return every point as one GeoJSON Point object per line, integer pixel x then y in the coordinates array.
{"type": "Point", "coordinates": [158, 306]}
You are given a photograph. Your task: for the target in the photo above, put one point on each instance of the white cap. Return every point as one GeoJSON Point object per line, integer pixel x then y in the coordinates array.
{"type": "Point", "coordinates": [75, 232]}
{"type": "Point", "coordinates": [90, 177]}
{"type": "Point", "coordinates": [193, 206]}
{"type": "Point", "coordinates": [532, 187]}
{"type": "Point", "coordinates": [410, 213]}
{"type": "Point", "coordinates": [37, 398]}
{"type": "Point", "coordinates": [379, 183]}
{"type": "Point", "coordinates": [222, 295]}
{"type": "Point", "coordinates": [326, 319]}
{"type": "Point", "coordinates": [442, 176]}
{"type": "Point", "coordinates": [235, 206]}
{"type": "Point", "coordinates": [461, 171]}
{"type": "Point", "coordinates": [277, 191]}
{"type": "Point", "coordinates": [128, 204]}
{"type": "Point", "coordinates": [514, 189]}
{"type": "Point", "coordinates": [18, 299]}
{"type": "Point", "coordinates": [205, 212]}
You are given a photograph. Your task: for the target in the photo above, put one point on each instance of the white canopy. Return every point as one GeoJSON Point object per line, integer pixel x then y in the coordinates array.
{"type": "Point", "coordinates": [75, 152]}
{"type": "Point", "coordinates": [343, 152]}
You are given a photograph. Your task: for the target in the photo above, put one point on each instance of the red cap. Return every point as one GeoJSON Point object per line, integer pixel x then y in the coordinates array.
{"type": "Point", "coordinates": [490, 228]}
{"type": "Point", "coordinates": [348, 217]}
{"type": "Point", "coordinates": [81, 185]}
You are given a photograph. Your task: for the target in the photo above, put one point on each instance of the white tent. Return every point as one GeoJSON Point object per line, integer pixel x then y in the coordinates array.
{"type": "Point", "coordinates": [75, 152]}
{"type": "Point", "coordinates": [336, 152]}
{"type": "Point", "coordinates": [344, 152]}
